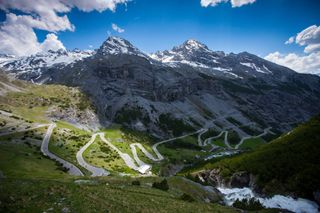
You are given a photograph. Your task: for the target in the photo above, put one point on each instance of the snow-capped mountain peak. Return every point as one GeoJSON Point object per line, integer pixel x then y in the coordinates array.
{"type": "Point", "coordinates": [198, 55]}
{"type": "Point", "coordinates": [42, 60]}
{"type": "Point", "coordinates": [191, 52]}
{"type": "Point", "coordinates": [116, 45]}
{"type": "Point", "coordinates": [191, 45]}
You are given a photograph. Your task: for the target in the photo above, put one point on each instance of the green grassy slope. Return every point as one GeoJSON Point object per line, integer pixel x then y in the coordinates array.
{"type": "Point", "coordinates": [35, 102]}
{"type": "Point", "coordinates": [287, 164]}
{"type": "Point", "coordinates": [107, 194]}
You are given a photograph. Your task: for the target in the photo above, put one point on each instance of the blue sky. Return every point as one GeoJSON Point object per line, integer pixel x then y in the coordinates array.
{"type": "Point", "coordinates": [260, 28]}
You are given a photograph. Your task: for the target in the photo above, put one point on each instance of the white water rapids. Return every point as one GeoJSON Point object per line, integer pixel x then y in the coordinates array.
{"type": "Point", "coordinates": [277, 201]}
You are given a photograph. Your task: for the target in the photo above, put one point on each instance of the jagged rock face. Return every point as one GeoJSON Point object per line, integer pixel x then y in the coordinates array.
{"type": "Point", "coordinates": [240, 180]}
{"type": "Point", "coordinates": [190, 83]}
{"type": "Point", "coordinates": [237, 180]}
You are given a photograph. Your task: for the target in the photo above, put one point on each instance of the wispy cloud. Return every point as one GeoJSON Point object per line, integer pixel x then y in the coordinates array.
{"type": "Point", "coordinates": [117, 28]}
{"type": "Point", "coordinates": [234, 3]}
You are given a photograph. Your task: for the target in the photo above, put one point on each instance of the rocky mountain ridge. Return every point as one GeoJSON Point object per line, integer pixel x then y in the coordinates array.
{"type": "Point", "coordinates": [188, 88]}
{"type": "Point", "coordinates": [35, 65]}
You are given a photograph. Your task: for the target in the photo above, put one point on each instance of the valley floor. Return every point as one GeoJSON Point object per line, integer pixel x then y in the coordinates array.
{"type": "Point", "coordinates": [33, 170]}
{"type": "Point", "coordinates": [35, 158]}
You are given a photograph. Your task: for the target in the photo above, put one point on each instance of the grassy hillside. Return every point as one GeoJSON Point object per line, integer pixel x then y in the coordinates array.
{"type": "Point", "coordinates": [21, 158]}
{"type": "Point", "coordinates": [287, 164]}
{"type": "Point", "coordinates": [99, 195]}
{"type": "Point", "coordinates": [38, 102]}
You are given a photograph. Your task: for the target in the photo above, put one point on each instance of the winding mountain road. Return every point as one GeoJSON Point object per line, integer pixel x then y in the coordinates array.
{"type": "Point", "coordinates": [159, 156]}
{"type": "Point", "coordinates": [137, 164]}
{"type": "Point", "coordinates": [95, 171]}
{"type": "Point", "coordinates": [24, 130]}
{"type": "Point", "coordinates": [265, 132]}
{"type": "Point", "coordinates": [72, 169]}
{"type": "Point", "coordinates": [134, 163]}
{"type": "Point", "coordinates": [209, 140]}
{"type": "Point", "coordinates": [142, 168]}
{"type": "Point", "coordinates": [200, 135]}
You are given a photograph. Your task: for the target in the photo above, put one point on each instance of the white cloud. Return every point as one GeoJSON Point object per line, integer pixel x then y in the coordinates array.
{"type": "Point", "coordinates": [213, 3]}
{"type": "Point", "coordinates": [307, 63]}
{"type": "Point", "coordinates": [239, 3]}
{"type": "Point", "coordinates": [90, 5]}
{"type": "Point", "coordinates": [44, 15]}
{"type": "Point", "coordinates": [309, 37]}
{"type": "Point", "coordinates": [312, 48]}
{"type": "Point", "coordinates": [303, 64]}
{"type": "Point", "coordinates": [51, 43]}
{"type": "Point", "coordinates": [290, 40]}
{"type": "Point", "coordinates": [117, 28]}
{"type": "Point", "coordinates": [234, 3]}
{"type": "Point", "coordinates": [17, 38]}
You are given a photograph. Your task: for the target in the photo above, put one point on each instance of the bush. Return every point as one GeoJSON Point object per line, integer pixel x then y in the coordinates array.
{"type": "Point", "coordinates": [163, 185]}
{"type": "Point", "coordinates": [186, 197]}
{"type": "Point", "coordinates": [233, 137]}
{"type": "Point", "coordinates": [248, 204]}
{"type": "Point", "coordinates": [136, 183]}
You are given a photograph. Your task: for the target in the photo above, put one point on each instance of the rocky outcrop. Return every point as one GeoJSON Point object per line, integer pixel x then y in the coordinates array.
{"type": "Point", "coordinates": [211, 177]}
{"type": "Point", "coordinates": [83, 119]}
{"type": "Point", "coordinates": [237, 180]}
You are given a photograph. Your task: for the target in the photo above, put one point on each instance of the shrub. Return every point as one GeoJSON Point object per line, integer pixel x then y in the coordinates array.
{"type": "Point", "coordinates": [163, 185]}
{"type": "Point", "coordinates": [233, 137]}
{"type": "Point", "coordinates": [248, 204]}
{"type": "Point", "coordinates": [187, 198]}
{"type": "Point", "coordinates": [136, 183]}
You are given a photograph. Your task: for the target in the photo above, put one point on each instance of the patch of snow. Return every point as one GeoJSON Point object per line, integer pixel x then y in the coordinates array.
{"type": "Point", "coordinates": [234, 75]}
{"type": "Point", "coordinates": [193, 64]}
{"type": "Point", "coordinates": [222, 69]}
{"type": "Point", "coordinates": [266, 68]}
{"type": "Point", "coordinates": [253, 66]}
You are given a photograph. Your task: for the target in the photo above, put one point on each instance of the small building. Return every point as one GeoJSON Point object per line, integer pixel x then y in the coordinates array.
{"type": "Point", "coordinates": [144, 169]}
